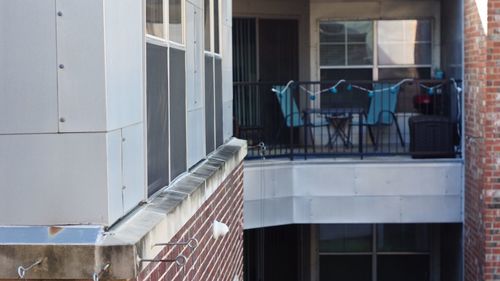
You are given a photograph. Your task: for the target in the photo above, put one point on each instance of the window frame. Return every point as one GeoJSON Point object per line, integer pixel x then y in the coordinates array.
{"type": "Point", "coordinates": [346, 43]}
{"type": "Point", "coordinates": [166, 39]}
{"type": "Point", "coordinates": [375, 252]}
{"type": "Point", "coordinates": [375, 66]}
{"type": "Point", "coordinates": [211, 50]}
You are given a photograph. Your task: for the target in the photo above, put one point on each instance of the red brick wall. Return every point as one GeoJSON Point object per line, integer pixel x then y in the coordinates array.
{"type": "Point", "coordinates": [482, 110]}
{"type": "Point", "coordinates": [220, 259]}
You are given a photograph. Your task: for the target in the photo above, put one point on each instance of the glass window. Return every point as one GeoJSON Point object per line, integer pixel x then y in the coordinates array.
{"type": "Point", "coordinates": [394, 73]}
{"type": "Point", "coordinates": [154, 18]}
{"type": "Point", "coordinates": [158, 117]}
{"type": "Point", "coordinates": [346, 268]}
{"type": "Point", "coordinates": [216, 27]}
{"type": "Point", "coordinates": [403, 238]}
{"type": "Point", "coordinates": [208, 19]}
{"type": "Point", "coordinates": [346, 43]}
{"type": "Point", "coordinates": [345, 238]}
{"type": "Point", "coordinates": [332, 54]}
{"type": "Point", "coordinates": [406, 42]}
{"type": "Point", "coordinates": [175, 21]}
{"type": "Point", "coordinates": [403, 267]}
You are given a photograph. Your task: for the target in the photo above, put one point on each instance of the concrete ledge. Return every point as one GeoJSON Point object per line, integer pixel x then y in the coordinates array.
{"type": "Point", "coordinates": [352, 191]}
{"type": "Point", "coordinates": [124, 244]}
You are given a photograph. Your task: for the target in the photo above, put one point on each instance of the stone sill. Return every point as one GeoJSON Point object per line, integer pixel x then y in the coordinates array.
{"type": "Point", "coordinates": [128, 241]}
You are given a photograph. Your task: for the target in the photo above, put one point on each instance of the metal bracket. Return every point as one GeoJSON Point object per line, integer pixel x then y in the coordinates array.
{"type": "Point", "coordinates": [180, 260]}
{"type": "Point", "coordinates": [97, 275]}
{"type": "Point", "coordinates": [21, 270]}
{"type": "Point", "coordinates": [191, 243]}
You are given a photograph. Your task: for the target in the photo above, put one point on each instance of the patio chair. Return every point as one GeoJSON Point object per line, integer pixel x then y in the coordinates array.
{"type": "Point", "coordinates": [295, 119]}
{"type": "Point", "coordinates": [381, 111]}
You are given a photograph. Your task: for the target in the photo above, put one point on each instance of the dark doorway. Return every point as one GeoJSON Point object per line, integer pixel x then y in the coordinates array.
{"type": "Point", "coordinates": [266, 51]}
{"type": "Point", "coordinates": [278, 50]}
{"type": "Point", "coordinates": [278, 61]}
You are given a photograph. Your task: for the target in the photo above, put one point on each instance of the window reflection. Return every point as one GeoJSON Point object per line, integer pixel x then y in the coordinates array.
{"type": "Point", "coordinates": [406, 42]}
{"type": "Point", "coordinates": [154, 18]}
{"type": "Point", "coordinates": [345, 238]}
{"type": "Point", "coordinates": [175, 21]}
{"type": "Point", "coordinates": [208, 18]}
{"type": "Point", "coordinates": [346, 43]}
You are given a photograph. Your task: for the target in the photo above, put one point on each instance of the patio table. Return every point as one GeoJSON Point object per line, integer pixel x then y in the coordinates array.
{"type": "Point", "coordinates": [335, 112]}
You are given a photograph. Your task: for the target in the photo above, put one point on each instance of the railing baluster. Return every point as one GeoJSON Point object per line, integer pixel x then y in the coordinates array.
{"type": "Point", "coordinates": [259, 117]}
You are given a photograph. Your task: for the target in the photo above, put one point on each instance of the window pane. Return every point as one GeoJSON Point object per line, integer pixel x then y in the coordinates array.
{"type": "Point", "coordinates": [390, 31]}
{"type": "Point", "coordinates": [154, 18]}
{"type": "Point", "coordinates": [392, 53]}
{"type": "Point", "coordinates": [423, 31]}
{"type": "Point", "coordinates": [404, 72]}
{"type": "Point", "coordinates": [360, 32]}
{"type": "Point", "coordinates": [157, 111]}
{"type": "Point", "coordinates": [216, 26]}
{"type": "Point", "coordinates": [404, 42]}
{"type": "Point", "coordinates": [332, 32]}
{"type": "Point", "coordinates": [345, 268]}
{"type": "Point", "coordinates": [364, 74]}
{"type": "Point", "coordinates": [175, 19]}
{"type": "Point", "coordinates": [404, 53]}
{"type": "Point", "coordinates": [332, 55]}
{"type": "Point", "coordinates": [403, 267]}
{"type": "Point", "coordinates": [345, 238]}
{"type": "Point", "coordinates": [403, 238]}
{"type": "Point", "coordinates": [208, 18]}
{"type": "Point", "coordinates": [359, 54]}
{"type": "Point", "coordinates": [422, 52]}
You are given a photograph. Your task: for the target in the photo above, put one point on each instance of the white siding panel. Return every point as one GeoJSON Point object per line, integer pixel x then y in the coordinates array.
{"type": "Point", "coordinates": [431, 208]}
{"type": "Point", "coordinates": [53, 179]}
{"type": "Point", "coordinates": [194, 85]}
{"type": "Point", "coordinates": [133, 166]}
{"type": "Point", "coordinates": [114, 175]}
{"type": "Point", "coordinates": [227, 70]}
{"type": "Point", "coordinates": [323, 191]}
{"type": "Point", "coordinates": [196, 136]}
{"type": "Point", "coordinates": [80, 48]}
{"type": "Point", "coordinates": [28, 67]}
{"type": "Point", "coordinates": [124, 62]}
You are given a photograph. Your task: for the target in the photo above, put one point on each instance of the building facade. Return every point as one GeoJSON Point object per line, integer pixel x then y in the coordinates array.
{"type": "Point", "coordinates": [117, 159]}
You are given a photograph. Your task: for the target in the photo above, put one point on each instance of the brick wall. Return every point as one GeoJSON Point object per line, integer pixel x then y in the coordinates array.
{"type": "Point", "coordinates": [482, 112]}
{"type": "Point", "coordinates": [220, 259]}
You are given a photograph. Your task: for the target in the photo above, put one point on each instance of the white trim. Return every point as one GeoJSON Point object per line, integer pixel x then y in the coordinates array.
{"type": "Point", "coordinates": [145, 102]}
{"type": "Point", "coordinates": [347, 67]}
{"type": "Point", "coordinates": [405, 65]}
{"type": "Point", "coordinates": [156, 40]}
{"type": "Point", "coordinates": [177, 46]}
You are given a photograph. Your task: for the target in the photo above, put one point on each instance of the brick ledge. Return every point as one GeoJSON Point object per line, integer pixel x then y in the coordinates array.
{"type": "Point", "coordinates": [131, 239]}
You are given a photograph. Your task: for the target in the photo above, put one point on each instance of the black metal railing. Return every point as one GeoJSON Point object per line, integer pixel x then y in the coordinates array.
{"type": "Point", "coordinates": [417, 118]}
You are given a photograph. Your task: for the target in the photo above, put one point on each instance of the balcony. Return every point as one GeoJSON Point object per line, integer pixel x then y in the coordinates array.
{"type": "Point", "coordinates": [351, 119]}
{"type": "Point", "coordinates": [369, 152]}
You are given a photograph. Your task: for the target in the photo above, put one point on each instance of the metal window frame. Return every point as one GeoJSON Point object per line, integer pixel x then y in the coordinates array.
{"type": "Point", "coordinates": [374, 253]}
